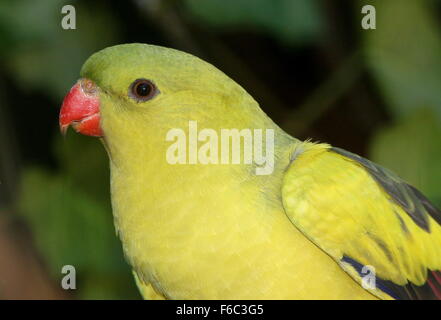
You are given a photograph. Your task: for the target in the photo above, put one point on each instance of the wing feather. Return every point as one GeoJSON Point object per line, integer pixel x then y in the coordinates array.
{"type": "Point", "coordinates": [364, 215]}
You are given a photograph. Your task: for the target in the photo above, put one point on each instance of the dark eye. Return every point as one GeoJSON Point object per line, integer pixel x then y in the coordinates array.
{"type": "Point", "coordinates": [142, 90]}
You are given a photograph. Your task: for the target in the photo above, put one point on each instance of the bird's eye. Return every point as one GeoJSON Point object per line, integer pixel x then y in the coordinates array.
{"type": "Point", "coordinates": [142, 90]}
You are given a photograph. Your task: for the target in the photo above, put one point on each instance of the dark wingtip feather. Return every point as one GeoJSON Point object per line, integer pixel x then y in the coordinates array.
{"type": "Point", "coordinates": [434, 281]}
{"type": "Point", "coordinates": [431, 290]}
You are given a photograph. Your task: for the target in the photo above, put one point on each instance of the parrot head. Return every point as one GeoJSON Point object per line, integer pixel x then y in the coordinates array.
{"type": "Point", "coordinates": [132, 95]}
{"type": "Point", "coordinates": [124, 85]}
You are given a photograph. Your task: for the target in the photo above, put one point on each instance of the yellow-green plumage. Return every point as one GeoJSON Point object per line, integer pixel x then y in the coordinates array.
{"type": "Point", "coordinates": [357, 218]}
{"type": "Point", "coordinates": [221, 231]}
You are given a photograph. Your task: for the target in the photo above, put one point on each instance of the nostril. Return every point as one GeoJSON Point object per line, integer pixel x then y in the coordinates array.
{"type": "Point", "coordinates": [88, 86]}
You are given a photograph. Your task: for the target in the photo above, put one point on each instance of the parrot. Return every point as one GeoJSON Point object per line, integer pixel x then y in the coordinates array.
{"type": "Point", "coordinates": [323, 223]}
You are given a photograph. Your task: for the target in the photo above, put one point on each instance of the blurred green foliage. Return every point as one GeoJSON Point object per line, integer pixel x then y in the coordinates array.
{"type": "Point", "coordinates": [404, 55]}
{"type": "Point", "coordinates": [39, 54]}
{"type": "Point", "coordinates": [293, 22]}
{"type": "Point", "coordinates": [70, 215]}
{"type": "Point", "coordinates": [67, 204]}
{"type": "Point", "coordinates": [68, 210]}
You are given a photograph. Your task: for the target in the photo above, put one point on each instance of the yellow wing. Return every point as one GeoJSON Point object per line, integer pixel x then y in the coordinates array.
{"type": "Point", "coordinates": [367, 219]}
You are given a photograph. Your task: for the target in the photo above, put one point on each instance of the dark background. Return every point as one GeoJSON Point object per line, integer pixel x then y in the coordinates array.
{"type": "Point", "coordinates": [308, 63]}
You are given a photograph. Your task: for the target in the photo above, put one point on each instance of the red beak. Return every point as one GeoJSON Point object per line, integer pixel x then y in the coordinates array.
{"type": "Point", "coordinates": [81, 109]}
